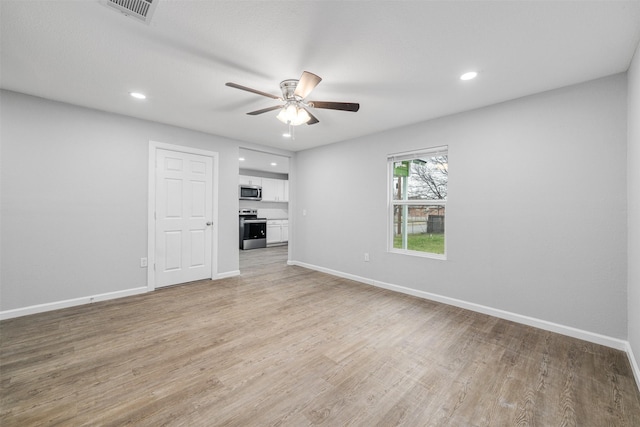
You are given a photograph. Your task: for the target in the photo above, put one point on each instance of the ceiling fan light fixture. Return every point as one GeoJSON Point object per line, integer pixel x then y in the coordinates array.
{"type": "Point", "coordinates": [292, 114]}
{"type": "Point", "coordinates": [294, 92]}
{"type": "Point", "coordinates": [303, 116]}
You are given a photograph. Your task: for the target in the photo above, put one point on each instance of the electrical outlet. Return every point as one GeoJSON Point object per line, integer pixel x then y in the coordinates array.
{"type": "Point", "coordinates": [366, 256]}
{"type": "Point", "coordinates": [143, 262]}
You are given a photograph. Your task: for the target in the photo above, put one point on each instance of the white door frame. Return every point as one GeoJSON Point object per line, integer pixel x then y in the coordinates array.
{"type": "Point", "coordinates": [151, 220]}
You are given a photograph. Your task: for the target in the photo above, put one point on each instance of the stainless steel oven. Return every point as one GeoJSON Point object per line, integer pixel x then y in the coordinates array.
{"type": "Point", "coordinates": [253, 230]}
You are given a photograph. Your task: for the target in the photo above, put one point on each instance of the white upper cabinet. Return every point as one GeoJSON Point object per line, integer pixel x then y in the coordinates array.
{"type": "Point", "coordinates": [250, 180]}
{"type": "Point", "coordinates": [275, 190]}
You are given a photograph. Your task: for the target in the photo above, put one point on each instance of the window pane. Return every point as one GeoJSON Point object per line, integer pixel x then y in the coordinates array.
{"type": "Point", "coordinates": [421, 178]}
{"type": "Point", "coordinates": [419, 228]}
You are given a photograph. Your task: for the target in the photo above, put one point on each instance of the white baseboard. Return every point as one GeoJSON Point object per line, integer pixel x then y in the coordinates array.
{"type": "Point", "coordinates": [226, 274]}
{"type": "Point", "coordinates": [634, 364]}
{"type": "Point", "coordinates": [56, 305]}
{"type": "Point", "coordinates": [593, 337]}
{"type": "Point", "coordinates": [40, 308]}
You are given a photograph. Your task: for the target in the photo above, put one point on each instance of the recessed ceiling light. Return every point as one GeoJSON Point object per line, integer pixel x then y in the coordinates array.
{"type": "Point", "coordinates": [274, 164]}
{"type": "Point", "coordinates": [241, 159]}
{"type": "Point", "coordinates": [286, 135]}
{"type": "Point", "coordinates": [137, 95]}
{"type": "Point", "coordinates": [469, 76]}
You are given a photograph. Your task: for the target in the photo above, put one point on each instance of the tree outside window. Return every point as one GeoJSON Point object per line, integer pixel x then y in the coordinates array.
{"type": "Point", "coordinates": [418, 201]}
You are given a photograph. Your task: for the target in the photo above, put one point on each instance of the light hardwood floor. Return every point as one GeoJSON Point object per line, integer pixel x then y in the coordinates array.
{"type": "Point", "coordinates": [282, 345]}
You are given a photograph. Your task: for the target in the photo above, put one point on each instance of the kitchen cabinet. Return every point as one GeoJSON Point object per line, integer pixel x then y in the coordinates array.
{"type": "Point", "coordinates": [250, 180]}
{"type": "Point", "coordinates": [275, 190]}
{"type": "Point", "coordinates": [277, 231]}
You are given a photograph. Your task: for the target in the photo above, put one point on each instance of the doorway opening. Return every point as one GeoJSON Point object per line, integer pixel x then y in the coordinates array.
{"type": "Point", "coordinates": [268, 174]}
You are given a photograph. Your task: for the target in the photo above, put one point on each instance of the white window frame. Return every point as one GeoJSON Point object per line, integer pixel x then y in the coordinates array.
{"type": "Point", "coordinates": [410, 155]}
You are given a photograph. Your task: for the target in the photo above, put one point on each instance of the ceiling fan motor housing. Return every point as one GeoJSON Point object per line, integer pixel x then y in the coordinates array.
{"type": "Point", "coordinates": [288, 87]}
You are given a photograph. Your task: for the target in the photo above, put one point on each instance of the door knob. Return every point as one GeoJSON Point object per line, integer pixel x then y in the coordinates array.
{"type": "Point", "coordinates": [209, 223]}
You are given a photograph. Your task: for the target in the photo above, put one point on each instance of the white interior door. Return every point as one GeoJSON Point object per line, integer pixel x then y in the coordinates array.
{"type": "Point", "coordinates": [183, 217]}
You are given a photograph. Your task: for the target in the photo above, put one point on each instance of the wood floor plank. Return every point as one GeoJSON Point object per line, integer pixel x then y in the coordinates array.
{"type": "Point", "coordinates": [285, 346]}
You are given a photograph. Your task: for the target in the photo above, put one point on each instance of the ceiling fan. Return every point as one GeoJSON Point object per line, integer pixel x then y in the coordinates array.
{"type": "Point", "coordinates": [295, 110]}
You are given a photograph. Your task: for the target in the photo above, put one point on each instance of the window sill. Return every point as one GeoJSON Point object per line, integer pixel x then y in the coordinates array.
{"type": "Point", "coordinates": [441, 257]}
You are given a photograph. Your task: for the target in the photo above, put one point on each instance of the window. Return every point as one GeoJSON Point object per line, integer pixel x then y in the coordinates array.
{"type": "Point", "coordinates": [418, 199]}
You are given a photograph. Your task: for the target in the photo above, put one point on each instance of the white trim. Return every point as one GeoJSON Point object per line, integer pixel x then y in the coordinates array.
{"type": "Point", "coordinates": [593, 337]}
{"type": "Point", "coordinates": [151, 206]}
{"type": "Point", "coordinates": [50, 306]}
{"type": "Point", "coordinates": [633, 363]}
{"type": "Point", "coordinates": [391, 202]}
{"type": "Point", "coordinates": [441, 257]}
{"type": "Point", "coordinates": [151, 209]}
{"type": "Point", "coordinates": [408, 155]}
{"type": "Point", "coordinates": [420, 202]}
{"type": "Point", "coordinates": [57, 305]}
{"type": "Point", "coordinates": [227, 274]}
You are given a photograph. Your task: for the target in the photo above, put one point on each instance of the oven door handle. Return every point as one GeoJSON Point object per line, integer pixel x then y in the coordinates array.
{"type": "Point", "coordinates": [255, 221]}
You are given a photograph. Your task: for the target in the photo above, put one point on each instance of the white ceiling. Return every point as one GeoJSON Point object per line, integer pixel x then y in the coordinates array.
{"type": "Point", "coordinates": [262, 161]}
{"type": "Point", "coordinates": [399, 59]}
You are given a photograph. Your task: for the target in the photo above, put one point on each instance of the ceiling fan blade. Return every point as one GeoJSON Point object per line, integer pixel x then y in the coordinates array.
{"type": "Point", "coordinates": [313, 120]}
{"type": "Point", "coordinates": [248, 89]}
{"type": "Point", "coordinates": [308, 81]}
{"type": "Point", "coordinates": [264, 110]}
{"type": "Point", "coordinates": [344, 106]}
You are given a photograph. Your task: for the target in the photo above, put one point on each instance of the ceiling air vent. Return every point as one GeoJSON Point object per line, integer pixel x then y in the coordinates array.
{"type": "Point", "coordinates": [142, 10]}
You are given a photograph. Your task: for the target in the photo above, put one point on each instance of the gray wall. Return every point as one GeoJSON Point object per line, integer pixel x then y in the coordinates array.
{"type": "Point", "coordinates": [536, 222]}
{"type": "Point", "coordinates": [633, 126]}
{"type": "Point", "coordinates": [536, 219]}
{"type": "Point", "coordinates": [74, 199]}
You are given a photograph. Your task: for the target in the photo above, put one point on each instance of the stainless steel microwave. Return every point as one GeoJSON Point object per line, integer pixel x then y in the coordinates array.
{"type": "Point", "coordinates": [250, 192]}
